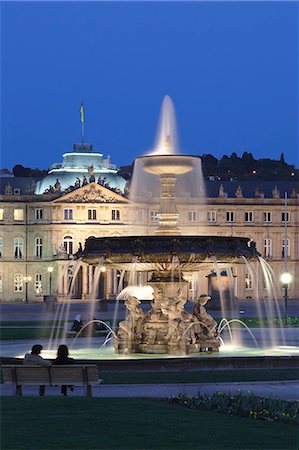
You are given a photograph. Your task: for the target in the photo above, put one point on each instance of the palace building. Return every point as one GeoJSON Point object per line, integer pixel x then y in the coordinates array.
{"type": "Point", "coordinates": [43, 223]}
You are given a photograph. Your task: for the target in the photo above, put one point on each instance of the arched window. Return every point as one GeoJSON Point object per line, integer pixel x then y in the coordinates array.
{"type": "Point", "coordinates": [283, 249]}
{"type": "Point", "coordinates": [248, 281]}
{"type": "Point", "coordinates": [267, 248]}
{"type": "Point", "coordinates": [18, 247]}
{"type": "Point", "coordinates": [38, 284]}
{"type": "Point", "coordinates": [18, 282]}
{"type": "Point", "coordinates": [38, 251]}
{"type": "Point", "coordinates": [68, 244]}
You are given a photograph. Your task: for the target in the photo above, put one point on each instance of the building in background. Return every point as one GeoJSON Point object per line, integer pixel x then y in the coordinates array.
{"type": "Point", "coordinates": [43, 223]}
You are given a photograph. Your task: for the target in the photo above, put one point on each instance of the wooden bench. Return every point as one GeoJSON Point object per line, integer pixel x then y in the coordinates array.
{"type": "Point", "coordinates": [77, 375]}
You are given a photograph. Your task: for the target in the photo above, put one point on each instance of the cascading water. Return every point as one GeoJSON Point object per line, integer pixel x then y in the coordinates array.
{"type": "Point", "coordinates": [164, 179]}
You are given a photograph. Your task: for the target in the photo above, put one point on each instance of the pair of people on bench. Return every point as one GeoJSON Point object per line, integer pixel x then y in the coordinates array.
{"type": "Point", "coordinates": [62, 358]}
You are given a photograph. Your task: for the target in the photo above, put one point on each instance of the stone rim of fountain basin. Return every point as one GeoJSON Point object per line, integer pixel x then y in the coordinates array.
{"type": "Point", "coordinates": [147, 252]}
{"type": "Point", "coordinates": [168, 164]}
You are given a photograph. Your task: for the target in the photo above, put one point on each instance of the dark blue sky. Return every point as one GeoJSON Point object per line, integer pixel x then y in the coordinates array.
{"type": "Point", "coordinates": [230, 67]}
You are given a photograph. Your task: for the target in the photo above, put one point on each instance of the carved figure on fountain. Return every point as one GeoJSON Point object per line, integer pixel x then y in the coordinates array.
{"type": "Point", "coordinates": [206, 320]}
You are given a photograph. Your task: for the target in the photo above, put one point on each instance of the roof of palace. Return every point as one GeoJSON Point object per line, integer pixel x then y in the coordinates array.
{"type": "Point", "coordinates": [79, 167]}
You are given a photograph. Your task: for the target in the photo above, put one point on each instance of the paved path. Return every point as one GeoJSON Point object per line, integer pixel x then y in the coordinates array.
{"type": "Point", "coordinates": [285, 390]}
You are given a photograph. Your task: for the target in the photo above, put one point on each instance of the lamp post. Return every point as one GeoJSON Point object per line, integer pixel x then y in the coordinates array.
{"type": "Point", "coordinates": [50, 270]}
{"type": "Point", "coordinates": [285, 278]}
{"type": "Point", "coordinates": [26, 281]}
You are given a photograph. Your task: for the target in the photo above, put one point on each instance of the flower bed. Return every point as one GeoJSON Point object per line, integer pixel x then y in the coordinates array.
{"type": "Point", "coordinates": [243, 405]}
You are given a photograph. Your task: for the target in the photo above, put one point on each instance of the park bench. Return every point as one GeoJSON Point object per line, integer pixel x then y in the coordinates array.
{"type": "Point", "coordinates": [76, 374]}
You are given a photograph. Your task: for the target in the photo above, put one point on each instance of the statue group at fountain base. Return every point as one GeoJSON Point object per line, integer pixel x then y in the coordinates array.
{"type": "Point", "coordinates": [167, 328]}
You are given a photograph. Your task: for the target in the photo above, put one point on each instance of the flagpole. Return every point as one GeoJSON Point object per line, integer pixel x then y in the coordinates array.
{"type": "Point", "coordinates": [83, 133]}
{"type": "Point", "coordinates": [82, 118]}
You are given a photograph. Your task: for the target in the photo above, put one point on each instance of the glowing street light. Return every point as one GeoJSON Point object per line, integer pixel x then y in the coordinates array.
{"type": "Point", "coordinates": [286, 279]}
{"type": "Point", "coordinates": [50, 270]}
{"type": "Point", "coordinates": [26, 281]}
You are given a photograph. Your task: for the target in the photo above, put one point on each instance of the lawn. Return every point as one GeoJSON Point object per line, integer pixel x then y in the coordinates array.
{"type": "Point", "coordinates": [82, 423]}
{"type": "Point", "coordinates": [199, 376]}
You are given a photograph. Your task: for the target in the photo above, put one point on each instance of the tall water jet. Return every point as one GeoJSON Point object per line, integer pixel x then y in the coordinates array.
{"type": "Point", "coordinates": [167, 138]}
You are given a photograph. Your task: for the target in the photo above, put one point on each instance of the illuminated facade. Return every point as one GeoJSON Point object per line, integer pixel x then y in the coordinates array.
{"type": "Point", "coordinates": [43, 230]}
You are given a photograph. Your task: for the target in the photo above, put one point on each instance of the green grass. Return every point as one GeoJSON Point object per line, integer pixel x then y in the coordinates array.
{"type": "Point", "coordinates": [199, 376]}
{"type": "Point", "coordinates": [82, 423]}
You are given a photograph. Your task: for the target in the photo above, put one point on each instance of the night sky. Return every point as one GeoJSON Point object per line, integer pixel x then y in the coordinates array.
{"type": "Point", "coordinates": [231, 69]}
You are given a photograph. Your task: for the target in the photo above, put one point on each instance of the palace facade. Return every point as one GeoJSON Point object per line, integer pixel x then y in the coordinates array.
{"type": "Point", "coordinates": [42, 225]}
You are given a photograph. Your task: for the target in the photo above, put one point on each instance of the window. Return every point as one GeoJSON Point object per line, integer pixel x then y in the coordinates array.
{"type": "Point", "coordinates": [38, 214]}
{"type": "Point", "coordinates": [18, 247]}
{"type": "Point", "coordinates": [192, 216]}
{"type": "Point", "coordinates": [68, 214]}
{"type": "Point", "coordinates": [248, 281]}
{"type": "Point", "coordinates": [38, 284]}
{"type": "Point", "coordinates": [283, 248]}
{"type": "Point", "coordinates": [285, 216]}
{"type": "Point", "coordinates": [267, 216]}
{"type": "Point", "coordinates": [154, 216]}
{"type": "Point", "coordinates": [18, 282]}
{"type": "Point", "coordinates": [115, 214]}
{"type": "Point", "coordinates": [267, 248]}
{"type": "Point", "coordinates": [1, 247]}
{"type": "Point", "coordinates": [230, 216]}
{"type": "Point", "coordinates": [248, 216]}
{"type": "Point", "coordinates": [38, 247]}
{"type": "Point", "coordinates": [1, 213]}
{"type": "Point", "coordinates": [1, 283]}
{"type": "Point", "coordinates": [18, 214]}
{"type": "Point", "coordinates": [211, 216]}
{"type": "Point", "coordinates": [92, 214]}
{"type": "Point", "coordinates": [68, 244]}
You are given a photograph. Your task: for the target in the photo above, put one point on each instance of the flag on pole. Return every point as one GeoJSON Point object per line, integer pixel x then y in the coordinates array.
{"type": "Point", "coordinates": [82, 112]}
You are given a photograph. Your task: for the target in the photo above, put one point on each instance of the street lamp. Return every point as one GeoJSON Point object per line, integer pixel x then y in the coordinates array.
{"type": "Point", "coordinates": [26, 281]}
{"type": "Point", "coordinates": [50, 270]}
{"type": "Point", "coordinates": [285, 278]}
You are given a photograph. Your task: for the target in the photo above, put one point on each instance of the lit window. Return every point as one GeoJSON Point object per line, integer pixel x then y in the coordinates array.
{"type": "Point", "coordinates": [38, 247]}
{"type": "Point", "coordinates": [230, 216]}
{"type": "Point", "coordinates": [192, 216]}
{"type": "Point", "coordinates": [267, 216]}
{"type": "Point", "coordinates": [1, 247]}
{"type": "Point", "coordinates": [18, 247]}
{"type": "Point", "coordinates": [38, 284]}
{"type": "Point", "coordinates": [211, 216]}
{"type": "Point", "coordinates": [18, 282]}
{"type": "Point", "coordinates": [92, 214]}
{"type": "Point", "coordinates": [154, 216]}
{"type": "Point", "coordinates": [18, 214]}
{"type": "Point", "coordinates": [267, 248]}
{"type": "Point", "coordinates": [283, 248]}
{"type": "Point", "coordinates": [68, 244]}
{"type": "Point", "coordinates": [1, 213]}
{"type": "Point", "coordinates": [285, 216]}
{"type": "Point", "coordinates": [248, 281]}
{"type": "Point", "coordinates": [38, 214]}
{"type": "Point", "coordinates": [68, 214]}
{"type": "Point", "coordinates": [115, 214]}
{"type": "Point", "coordinates": [248, 216]}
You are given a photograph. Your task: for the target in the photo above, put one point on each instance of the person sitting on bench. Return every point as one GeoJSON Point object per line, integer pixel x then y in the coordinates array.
{"type": "Point", "coordinates": [34, 358]}
{"type": "Point", "coordinates": [63, 358]}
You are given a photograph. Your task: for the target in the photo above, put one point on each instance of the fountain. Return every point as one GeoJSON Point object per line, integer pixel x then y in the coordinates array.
{"type": "Point", "coordinates": [161, 261]}
{"type": "Point", "coordinates": [166, 328]}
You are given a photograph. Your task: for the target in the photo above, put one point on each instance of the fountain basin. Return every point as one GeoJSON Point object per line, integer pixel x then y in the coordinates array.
{"type": "Point", "coordinates": [156, 252]}
{"type": "Point", "coordinates": [166, 164]}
